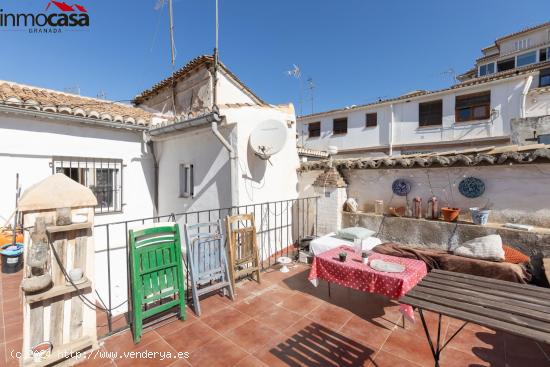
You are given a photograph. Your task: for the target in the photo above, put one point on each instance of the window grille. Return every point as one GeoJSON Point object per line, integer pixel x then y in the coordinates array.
{"type": "Point", "coordinates": [101, 175]}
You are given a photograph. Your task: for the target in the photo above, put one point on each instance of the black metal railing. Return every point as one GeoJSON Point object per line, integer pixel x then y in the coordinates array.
{"type": "Point", "coordinates": [280, 228]}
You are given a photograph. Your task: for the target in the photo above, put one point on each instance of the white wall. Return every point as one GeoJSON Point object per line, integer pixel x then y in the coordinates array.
{"type": "Point", "coordinates": [260, 180]}
{"type": "Point", "coordinates": [27, 146]}
{"type": "Point", "coordinates": [535, 38]}
{"type": "Point", "coordinates": [505, 99]}
{"type": "Point", "coordinates": [211, 171]}
{"type": "Point", "coordinates": [517, 193]}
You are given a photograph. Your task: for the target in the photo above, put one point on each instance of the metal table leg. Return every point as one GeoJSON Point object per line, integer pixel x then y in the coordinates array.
{"type": "Point", "coordinates": [436, 352]}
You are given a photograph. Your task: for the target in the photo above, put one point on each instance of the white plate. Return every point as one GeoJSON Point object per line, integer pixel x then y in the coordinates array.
{"type": "Point", "coordinates": [386, 267]}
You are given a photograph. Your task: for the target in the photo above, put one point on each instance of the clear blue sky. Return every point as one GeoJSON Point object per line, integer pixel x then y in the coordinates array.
{"type": "Point", "coordinates": [355, 50]}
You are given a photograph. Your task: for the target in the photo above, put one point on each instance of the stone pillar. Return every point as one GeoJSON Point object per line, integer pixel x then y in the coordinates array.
{"type": "Point", "coordinates": [331, 188]}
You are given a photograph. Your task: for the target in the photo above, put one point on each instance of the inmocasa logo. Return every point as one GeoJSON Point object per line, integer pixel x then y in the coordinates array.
{"type": "Point", "coordinates": [61, 15]}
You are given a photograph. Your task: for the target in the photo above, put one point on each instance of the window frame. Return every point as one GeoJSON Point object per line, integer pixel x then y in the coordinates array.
{"type": "Point", "coordinates": [513, 59]}
{"type": "Point", "coordinates": [486, 66]}
{"type": "Point", "coordinates": [421, 115]}
{"type": "Point", "coordinates": [317, 129]}
{"type": "Point", "coordinates": [533, 52]}
{"type": "Point", "coordinates": [544, 73]}
{"type": "Point", "coordinates": [546, 51]}
{"type": "Point", "coordinates": [370, 123]}
{"type": "Point", "coordinates": [87, 171]}
{"type": "Point", "coordinates": [340, 131]}
{"type": "Point", "coordinates": [472, 107]}
{"type": "Point", "coordinates": [186, 180]}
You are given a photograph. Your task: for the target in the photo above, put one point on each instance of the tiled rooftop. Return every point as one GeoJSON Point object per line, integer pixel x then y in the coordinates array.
{"type": "Point", "coordinates": [285, 321]}
{"type": "Point", "coordinates": [47, 100]}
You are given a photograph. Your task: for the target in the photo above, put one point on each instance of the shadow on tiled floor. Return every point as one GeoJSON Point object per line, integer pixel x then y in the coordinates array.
{"type": "Point", "coordinates": [285, 321]}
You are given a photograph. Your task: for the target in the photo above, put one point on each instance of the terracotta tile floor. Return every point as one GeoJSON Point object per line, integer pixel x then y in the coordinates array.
{"type": "Point", "coordinates": [285, 321]}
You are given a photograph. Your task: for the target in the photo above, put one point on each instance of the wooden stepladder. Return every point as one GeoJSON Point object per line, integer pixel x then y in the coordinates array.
{"type": "Point", "coordinates": [207, 261]}
{"type": "Point", "coordinates": [243, 247]}
{"type": "Point", "coordinates": [156, 269]}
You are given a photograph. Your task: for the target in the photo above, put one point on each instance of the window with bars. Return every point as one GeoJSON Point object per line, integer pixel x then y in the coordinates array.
{"type": "Point", "coordinates": [430, 113]}
{"type": "Point", "coordinates": [314, 129]}
{"type": "Point", "coordinates": [471, 107]}
{"type": "Point", "coordinates": [102, 176]}
{"type": "Point", "coordinates": [371, 119]}
{"type": "Point", "coordinates": [340, 126]}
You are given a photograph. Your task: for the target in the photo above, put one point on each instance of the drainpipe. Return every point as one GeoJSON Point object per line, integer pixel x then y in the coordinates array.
{"type": "Point", "coordinates": [526, 88]}
{"type": "Point", "coordinates": [233, 158]}
{"type": "Point", "coordinates": [156, 178]}
{"type": "Point", "coordinates": [390, 138]}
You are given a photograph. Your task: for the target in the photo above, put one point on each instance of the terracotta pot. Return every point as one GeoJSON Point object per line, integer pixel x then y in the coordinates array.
{"type": "Point", "coordinates": [397, 212]}
{"type": "Point", "coordinates": [450, 214]}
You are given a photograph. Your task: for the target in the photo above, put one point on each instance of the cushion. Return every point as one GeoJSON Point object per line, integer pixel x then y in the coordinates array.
{"type": "Point", "coordinates": [485, 248]}
{"type": "Point", "coordinates": [513, 256]}
{"type": "Point", "coordinates": [353, 233]}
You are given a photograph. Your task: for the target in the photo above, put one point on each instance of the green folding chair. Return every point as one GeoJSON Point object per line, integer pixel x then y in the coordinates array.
{"type": "Point", "coordinates": [156, 273]}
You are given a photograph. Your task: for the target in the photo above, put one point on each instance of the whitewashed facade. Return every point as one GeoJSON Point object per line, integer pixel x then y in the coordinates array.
{"type": "Point", "coordinates": [398, 128]}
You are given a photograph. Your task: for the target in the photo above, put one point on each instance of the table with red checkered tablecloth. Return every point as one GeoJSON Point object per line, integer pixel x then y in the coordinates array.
{"type": "Point", "coordinates": [354, 274]}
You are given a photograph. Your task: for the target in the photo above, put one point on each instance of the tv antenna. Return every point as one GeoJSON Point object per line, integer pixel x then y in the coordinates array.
{"type": "Point", "coordinates": [101, 94]}
{"type": "Point", "coordinates": [75, 89]}
{"type": "Point", "coordinates": [450, 72]}
{"type": "Point", "coordinates": [311, 86]}
{"type": "Point", "coordinates": [296, 73]}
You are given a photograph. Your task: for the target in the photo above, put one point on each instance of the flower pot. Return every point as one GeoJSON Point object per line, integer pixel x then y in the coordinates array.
{"type": "Point", "coordinates": [342, 256]}
{"type": "Point", "coordinates": [480, 216]}
{"type": "Point", "coordinates": [450, 214]}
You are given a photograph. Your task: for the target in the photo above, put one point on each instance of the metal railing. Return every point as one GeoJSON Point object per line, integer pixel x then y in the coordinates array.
{"type": "Point", "coordinates": [280, 227]}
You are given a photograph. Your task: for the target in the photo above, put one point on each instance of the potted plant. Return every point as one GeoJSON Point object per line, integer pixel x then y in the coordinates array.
{"type": "Point", "coordinates": [342, 256]}
{"type": "Point", "coordinates": [450, 214]}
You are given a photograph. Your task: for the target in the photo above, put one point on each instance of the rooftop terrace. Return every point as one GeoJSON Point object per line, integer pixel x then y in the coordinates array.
{"type": "Point", "coordinates": [285, 321]}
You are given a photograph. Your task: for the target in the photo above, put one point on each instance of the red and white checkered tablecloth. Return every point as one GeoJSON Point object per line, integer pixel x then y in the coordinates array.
{"type": "Point", "coordinates": [354, 274]}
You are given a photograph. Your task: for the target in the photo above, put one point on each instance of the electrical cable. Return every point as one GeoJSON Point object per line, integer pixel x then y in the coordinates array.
{"type": "Point", "coordinates": [83, 298]}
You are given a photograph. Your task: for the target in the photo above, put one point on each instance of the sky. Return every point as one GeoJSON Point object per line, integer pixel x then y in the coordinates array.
{"type": "Point", "coordinates": [355, 51]}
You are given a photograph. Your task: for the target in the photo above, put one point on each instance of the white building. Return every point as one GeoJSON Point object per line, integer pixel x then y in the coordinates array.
{"type": "Point", "coordinates": [109, 146]}
{"type": "Point", "coordinates": [476, 112]}
{"type": "Point", "coordinates": [144, 161]}
{"type": "Point", "coordinates": [208, 145]}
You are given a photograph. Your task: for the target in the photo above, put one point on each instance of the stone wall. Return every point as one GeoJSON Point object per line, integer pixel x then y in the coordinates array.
{"type": "Point", "coordinates": [523, 128]}
{"type": "Point", "coordinates": [445, 236]}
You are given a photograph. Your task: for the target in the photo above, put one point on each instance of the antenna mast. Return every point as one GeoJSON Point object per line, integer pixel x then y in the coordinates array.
{"type": "Point", "coordinates": [215, 78]}
{"type": "Point", "coordinates": [172, 46]}
{"type": "Point", "coordinates": [173, 49]}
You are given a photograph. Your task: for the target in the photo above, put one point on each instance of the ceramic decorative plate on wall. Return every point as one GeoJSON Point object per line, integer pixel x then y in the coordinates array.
{"type": "Point", "coordinates": [401, 187]}
{"type": "Point", "coordinates": [471, 187]}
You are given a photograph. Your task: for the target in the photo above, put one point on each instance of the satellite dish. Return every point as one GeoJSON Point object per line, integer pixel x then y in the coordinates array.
{"type": "Point", "coordinates": [268, 138]}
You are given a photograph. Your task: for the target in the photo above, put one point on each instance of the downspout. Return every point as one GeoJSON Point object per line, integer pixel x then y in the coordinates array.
{"type": "Point", "coordinates": [233, 158]}
{"type": "Point", "coordinates": [390, 137]}
{"type": "Point", "coordinates": [151, 148]}
{"type": "Point", "coordinates": [526, 88]}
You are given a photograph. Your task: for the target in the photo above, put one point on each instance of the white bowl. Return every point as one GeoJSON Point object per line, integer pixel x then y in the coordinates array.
{"type": "Point", "coordinates": [75, 274]}
{"type": "Point", "coordinates": [79, 218]}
